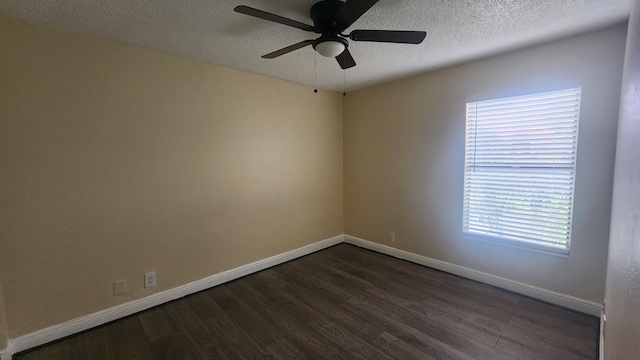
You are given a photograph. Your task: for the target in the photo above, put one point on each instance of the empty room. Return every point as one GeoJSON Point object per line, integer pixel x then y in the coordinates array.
{"type": "Point", "coordinates": [320, 179]}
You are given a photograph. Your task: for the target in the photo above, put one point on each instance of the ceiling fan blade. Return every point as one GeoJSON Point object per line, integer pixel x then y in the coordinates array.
{"type": "Point", "coordinates": [288, 49]}
{"type": "Point", "coordinates": [272, 17]}
{"type": "Point", "coordinates": [346, 60]}
{"type": "Point", "coordinates": [390, 36]}
{"type": "Point", "coordinates": [351, 11]}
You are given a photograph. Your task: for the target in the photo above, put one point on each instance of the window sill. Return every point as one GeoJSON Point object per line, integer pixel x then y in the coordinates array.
{"type": "Point", "coordinates": [533, 246]}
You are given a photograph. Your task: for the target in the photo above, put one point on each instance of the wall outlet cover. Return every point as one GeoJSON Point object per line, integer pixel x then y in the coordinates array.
{"type": "Point", "coordinates": [150, 279]}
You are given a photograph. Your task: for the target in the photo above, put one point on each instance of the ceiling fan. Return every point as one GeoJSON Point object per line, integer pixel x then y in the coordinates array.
{"type": "Point", "coordinates": [330, 19]}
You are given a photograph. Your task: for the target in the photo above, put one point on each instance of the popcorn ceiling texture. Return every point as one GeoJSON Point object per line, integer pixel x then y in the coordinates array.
{"type": "Point", "coordinates": [209, 31]}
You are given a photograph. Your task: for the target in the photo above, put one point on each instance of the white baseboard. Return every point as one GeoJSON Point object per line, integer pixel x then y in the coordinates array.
{"type": "Point", "coordinates": [601, 347]}
{"type": "Point", "coordinates": [6, 354]}
{"type": "Point", "coordinates": [549, 296]}
{"type": "Point", "coordinates": [83, 323]}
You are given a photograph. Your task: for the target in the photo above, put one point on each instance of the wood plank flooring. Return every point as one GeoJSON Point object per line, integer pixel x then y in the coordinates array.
{"type": "Point", "coordinates": [341, 303]}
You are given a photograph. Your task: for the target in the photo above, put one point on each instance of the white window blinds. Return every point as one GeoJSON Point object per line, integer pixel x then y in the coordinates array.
{"type": "Point", "coordinates": [520, 168]}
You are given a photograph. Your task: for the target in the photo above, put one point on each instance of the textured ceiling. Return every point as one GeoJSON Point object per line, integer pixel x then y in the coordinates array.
{"type": "Point", "coordinates": [209, 30]}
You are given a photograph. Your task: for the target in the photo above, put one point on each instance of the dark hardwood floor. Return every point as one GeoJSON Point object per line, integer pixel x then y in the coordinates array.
{"type": "Point", "coordinates": [341, 303]}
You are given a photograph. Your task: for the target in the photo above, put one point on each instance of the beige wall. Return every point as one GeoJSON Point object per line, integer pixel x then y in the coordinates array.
{"type": "Point", "coordinates": [622, 329]}
{"type": "Point", "coordinates": [117, 161]}
{"type": "Point", "coordinates": [404, 154]}
{"type": "Point", "coordinates": [3, 324]}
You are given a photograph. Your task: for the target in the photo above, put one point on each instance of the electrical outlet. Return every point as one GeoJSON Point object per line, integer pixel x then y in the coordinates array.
{"type": "Point", "coordinates": [392, 237]}
{"type": "Point", "coordinates": [150, 279]}
{"type": "Point", "coordinates": [119, 287]}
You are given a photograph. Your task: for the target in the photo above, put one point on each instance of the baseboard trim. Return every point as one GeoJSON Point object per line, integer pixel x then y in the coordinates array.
{"type": "Point", "coordinates": [83, 323]}
{"type": "Point", "coordinates": [6, 354]}
{"type": "Point", "coordinates": [567, 301]}
{"type": "Point", "coordinates": [601, 345]}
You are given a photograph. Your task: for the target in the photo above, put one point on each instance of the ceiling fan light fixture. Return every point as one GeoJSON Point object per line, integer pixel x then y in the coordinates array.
{"type": "Point", "coordinates": [330, 19]}
{"type": "Point", "coordinates": [330, 46]}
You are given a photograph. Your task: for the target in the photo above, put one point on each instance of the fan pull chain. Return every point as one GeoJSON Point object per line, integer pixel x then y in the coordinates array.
{"type": "Point", "coordinates": [315, 65]}
{"type": "Point", "coordinates": [344, 82]}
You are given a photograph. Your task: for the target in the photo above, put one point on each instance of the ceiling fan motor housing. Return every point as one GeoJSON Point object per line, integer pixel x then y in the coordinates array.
{"type": "Point", "coordinates": [330, 19]}
{"type": "Point", "coordinates": [323, 14]}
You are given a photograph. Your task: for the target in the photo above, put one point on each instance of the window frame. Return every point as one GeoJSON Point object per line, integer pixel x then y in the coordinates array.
{"type": "Point", "coordinates": [543, 246]}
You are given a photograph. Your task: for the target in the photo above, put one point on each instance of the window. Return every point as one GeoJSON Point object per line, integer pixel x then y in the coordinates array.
{"type": "Point", "coordinates": [520, 167]}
